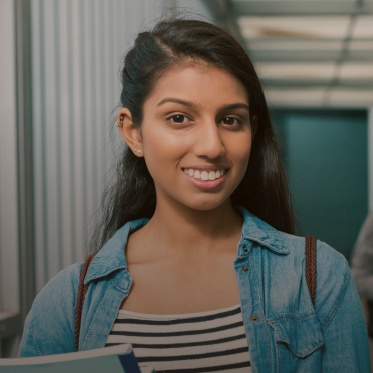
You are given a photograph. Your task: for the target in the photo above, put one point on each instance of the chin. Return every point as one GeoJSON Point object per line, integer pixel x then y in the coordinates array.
{"type": "Point", "coordinates": [209, 205]}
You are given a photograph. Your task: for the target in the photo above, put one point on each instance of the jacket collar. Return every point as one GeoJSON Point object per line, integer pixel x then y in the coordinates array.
{"type": "Point", "coordinates": [112, 255]}
{"type": "Point", "coordinates": [256, 230]}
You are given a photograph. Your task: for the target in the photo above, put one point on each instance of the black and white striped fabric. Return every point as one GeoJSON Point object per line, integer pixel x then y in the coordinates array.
{"type": "Point", "coordinates": [199, 342]}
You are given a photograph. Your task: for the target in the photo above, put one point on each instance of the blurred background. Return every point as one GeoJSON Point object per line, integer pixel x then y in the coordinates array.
{"type": "Point", "coordinates": [59, 88]}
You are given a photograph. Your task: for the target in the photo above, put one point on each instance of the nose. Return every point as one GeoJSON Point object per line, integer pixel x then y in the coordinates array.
{"type": "Point", "coordinates": [208, 142]}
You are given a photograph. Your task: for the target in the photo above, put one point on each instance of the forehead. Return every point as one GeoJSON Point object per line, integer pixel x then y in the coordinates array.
{"type": "Point", "coordinates": [198, 79]}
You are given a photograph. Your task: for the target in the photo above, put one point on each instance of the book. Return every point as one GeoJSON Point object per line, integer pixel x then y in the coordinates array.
{"type": "Point", "coordinates": [114, 359]}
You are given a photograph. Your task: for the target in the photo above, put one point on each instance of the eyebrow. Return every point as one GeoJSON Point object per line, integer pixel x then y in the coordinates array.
{"type": "Point", "coordinates": [239, 105]}
{"type": "Point", "coordinates": [176, 101]}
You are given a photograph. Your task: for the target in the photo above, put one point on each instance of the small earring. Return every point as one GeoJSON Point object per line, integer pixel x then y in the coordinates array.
{"type": "Point", "coordinates": [137, 150]}
{"type": "Point", "coordinates": [121, 119]}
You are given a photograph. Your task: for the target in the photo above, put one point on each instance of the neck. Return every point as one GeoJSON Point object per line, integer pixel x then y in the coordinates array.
{"type": "Point", "coordinates": [184, 230]}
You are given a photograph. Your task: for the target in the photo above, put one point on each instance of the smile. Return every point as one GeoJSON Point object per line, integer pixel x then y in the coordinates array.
{"type": "Point", "coordinates": [204, 175]}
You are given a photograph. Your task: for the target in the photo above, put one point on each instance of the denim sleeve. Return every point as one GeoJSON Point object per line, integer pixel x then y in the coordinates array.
{"type": "Point", "coordinates": [49, 326]}
{"type": "Point", "coordinates": [342, 321]}
{"type": "Point", "coordinates": [362, 260]}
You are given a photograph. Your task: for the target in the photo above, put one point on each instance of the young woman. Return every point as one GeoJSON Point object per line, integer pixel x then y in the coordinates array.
{"type": "Point", "coordinates": [198, 268]}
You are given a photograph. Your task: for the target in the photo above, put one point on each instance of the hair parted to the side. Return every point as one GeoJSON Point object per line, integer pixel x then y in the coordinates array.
{"type": "Point", "coordinates": [263, 190]}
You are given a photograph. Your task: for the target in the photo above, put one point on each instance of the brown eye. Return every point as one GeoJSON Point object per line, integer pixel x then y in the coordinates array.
{"type": "Point", "coordinates": [178, 118]}
{"type": "Point", "coordinates": [230, 121]}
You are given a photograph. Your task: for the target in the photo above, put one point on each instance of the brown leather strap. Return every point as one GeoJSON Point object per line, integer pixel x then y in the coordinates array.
{"type": "Point", "coordinates": [311, 266]}
{"type": "Point", "coordinates": [82, 290]}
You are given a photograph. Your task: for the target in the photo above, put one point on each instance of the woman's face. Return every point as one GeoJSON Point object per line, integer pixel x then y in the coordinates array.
{"type": "Point", "coordinates": [196, 136]}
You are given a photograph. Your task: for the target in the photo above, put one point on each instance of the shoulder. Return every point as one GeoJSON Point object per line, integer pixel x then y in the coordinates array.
{"type": "Point", "coordinates": [283, 260]}
{"type": "Point", "coordinates": [328, 259]}
{"type": "Point", "coordinates": [332, 268]}
{"type": "Point", "coordinates": [333, 276]}
{"type": "Point", "coordinates": [62, 286]}
{"type": "Point", "coordinates": [254, 229]}
{"type": "Point", "coordinates": [49, 326]}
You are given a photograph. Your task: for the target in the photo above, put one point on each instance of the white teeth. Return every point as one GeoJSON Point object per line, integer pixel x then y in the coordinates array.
{"type": "Point", "coordinates": [204, 175]}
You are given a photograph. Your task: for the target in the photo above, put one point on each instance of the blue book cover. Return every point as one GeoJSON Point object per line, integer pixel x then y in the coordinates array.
{"type": "Point", "coordinates": [115, 359]}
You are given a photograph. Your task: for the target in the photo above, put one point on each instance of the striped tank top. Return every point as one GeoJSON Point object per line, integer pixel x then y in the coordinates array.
{"type": "Point", "coordinates": [212, 341]}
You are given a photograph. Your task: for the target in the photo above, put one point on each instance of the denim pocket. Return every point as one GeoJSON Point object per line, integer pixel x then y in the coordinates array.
{"type": "Point", "coordinates": [300, 334]}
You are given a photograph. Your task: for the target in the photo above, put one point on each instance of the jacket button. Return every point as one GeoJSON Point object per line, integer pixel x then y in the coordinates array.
{"type": "Point", "coordinates": [244, 269]}
{"type": "Point", "coordinates": [254, 318]}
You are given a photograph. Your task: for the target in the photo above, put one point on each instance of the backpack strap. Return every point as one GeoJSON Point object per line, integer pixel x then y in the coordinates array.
{"type": "Point", "coordinates": [82, 290]}
{"type": "Point", "coordinates": [311, 266]}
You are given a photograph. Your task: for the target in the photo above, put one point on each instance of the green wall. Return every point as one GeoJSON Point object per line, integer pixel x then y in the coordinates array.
{"type": "Point", "coordinates": [325, 156]}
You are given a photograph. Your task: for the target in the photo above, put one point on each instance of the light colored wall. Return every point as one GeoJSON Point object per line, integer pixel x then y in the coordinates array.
{"type": "Point", "coordinates": [9, 299]}
{"type": "Point", "coordinates": [77, 48]}
{"type": "Point", "coordinates": [9, 217]}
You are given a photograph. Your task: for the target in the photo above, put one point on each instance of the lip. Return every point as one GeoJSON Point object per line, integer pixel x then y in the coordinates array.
{"type": "Point", "coordinates": [206, 167]}
{"type": "Point", "coordinates": [206, 184]}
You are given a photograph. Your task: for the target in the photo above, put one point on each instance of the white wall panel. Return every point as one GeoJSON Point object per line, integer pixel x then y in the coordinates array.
{"type": "Point", "coordinates": [9, 280]}
{"type": "Point", "coordinates": [9, 184]}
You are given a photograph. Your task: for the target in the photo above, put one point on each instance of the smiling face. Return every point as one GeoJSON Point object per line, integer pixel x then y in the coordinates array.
{"type": "Point", "coordinates": [195, 136]}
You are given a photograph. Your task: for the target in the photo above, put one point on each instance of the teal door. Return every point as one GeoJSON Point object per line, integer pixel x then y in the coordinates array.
{"type": "Point", "coordinates": [325, 156]}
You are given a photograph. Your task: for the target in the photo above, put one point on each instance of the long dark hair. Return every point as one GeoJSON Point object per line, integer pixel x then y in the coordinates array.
{"type": "Point", "coordinates": [263, 190]}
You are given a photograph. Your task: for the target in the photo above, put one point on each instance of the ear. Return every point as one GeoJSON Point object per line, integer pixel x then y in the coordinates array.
{"type": "Point", "coordinates": [254, 125]}
{"type": "Point", "coordinates": [130, 132]}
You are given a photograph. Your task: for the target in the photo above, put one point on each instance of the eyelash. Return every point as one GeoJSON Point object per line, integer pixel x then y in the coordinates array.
{"type": "Point", "coordinates": [238, 121]}
{"type": "Point", "coordinates": [171, 118]}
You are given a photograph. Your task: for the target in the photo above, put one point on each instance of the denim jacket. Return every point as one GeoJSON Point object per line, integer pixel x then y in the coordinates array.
{"type": "Point", "coordinates": [285, 331]}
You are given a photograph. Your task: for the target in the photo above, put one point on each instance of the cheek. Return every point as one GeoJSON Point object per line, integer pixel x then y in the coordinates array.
{"type": "Point", "coordinates": [165, 144]}
{"type": "Point", "coordinates": [242, 159]}
{"type": "Point", "coordinates": [162, 152]}
{"type": "Point", "coordinates": [241, 149]}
